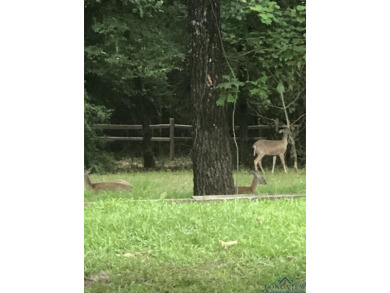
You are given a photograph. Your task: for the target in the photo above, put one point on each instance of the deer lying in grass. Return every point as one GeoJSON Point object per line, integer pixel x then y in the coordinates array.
{"type": "Point", "coordinates": [97, 187]}
{"type": "Point", "coordinates": [257, 179]}
{"type": "Point", "coordinates": [264, 147]}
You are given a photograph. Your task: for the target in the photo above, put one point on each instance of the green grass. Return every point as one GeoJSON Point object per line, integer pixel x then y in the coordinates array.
{"type": "Point", "coordinates": [152, 185]}
{"type": "Point", "coordinates": [176, 247]}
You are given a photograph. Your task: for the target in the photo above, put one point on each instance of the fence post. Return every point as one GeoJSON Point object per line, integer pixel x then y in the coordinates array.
{"type": "Point", "coordinates": [258, 123]}
{"type": "Point", "coordinates": [172, 138]}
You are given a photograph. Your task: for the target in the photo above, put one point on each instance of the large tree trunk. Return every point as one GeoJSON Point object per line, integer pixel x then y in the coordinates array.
{"type": "Point", "coordinates": [211, 155]}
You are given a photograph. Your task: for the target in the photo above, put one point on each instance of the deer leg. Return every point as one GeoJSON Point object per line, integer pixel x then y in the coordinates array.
{"type": "Point", "coordinates": [273, 163]}
{"type": "Point", "coordinates": [258, 161]}
{"type": "Point", "coordinates": [282, 159]}
{"type": "Point", "coordinates": [255, 163]}
{"type": "Point", "coordinates": [261, 167]}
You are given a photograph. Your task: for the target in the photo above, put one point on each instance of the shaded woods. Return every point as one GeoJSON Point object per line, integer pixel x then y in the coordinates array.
{"type": "Point", "coordinates": [147, 61]}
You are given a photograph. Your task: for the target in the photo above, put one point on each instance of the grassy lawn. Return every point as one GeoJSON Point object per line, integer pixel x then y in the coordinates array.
{"type": "Point", "coordinates": [155, 246]}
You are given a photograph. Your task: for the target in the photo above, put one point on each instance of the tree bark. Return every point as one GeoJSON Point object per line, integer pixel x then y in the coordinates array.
{"type": "Point", "coordinates": [211, 154]}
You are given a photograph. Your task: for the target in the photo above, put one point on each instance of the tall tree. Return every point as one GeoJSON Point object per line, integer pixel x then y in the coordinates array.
{"type": "Point", "coordinates": [211, 155]}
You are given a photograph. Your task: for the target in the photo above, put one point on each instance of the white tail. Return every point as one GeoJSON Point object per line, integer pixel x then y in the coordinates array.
{"type": "Point", "coordinates": [97, 187]}
{"type": "Point", "coordinates": [257, 179]}
{"type": "Point", "coordinates": [264, 147]}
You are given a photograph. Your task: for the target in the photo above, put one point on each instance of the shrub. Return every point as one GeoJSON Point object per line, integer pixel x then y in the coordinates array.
{"type": "Point", "coordinates": [94, 153]}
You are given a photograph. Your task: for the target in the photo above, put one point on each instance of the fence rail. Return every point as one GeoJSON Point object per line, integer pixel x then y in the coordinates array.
{"type": "Point", "coordinates": [139, 127]}
{"type": "Point", "coordinates": [161, 126]}
{"type": "Point", "coordinates": [171, 127]}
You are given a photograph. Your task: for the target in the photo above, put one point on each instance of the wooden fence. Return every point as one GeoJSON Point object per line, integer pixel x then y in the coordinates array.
{"type": "Point", "coordinates": [171, 127]}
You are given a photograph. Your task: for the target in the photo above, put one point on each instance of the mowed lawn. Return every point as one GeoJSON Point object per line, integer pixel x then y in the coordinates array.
{"type": "Point", "coordinates": [156, 246]}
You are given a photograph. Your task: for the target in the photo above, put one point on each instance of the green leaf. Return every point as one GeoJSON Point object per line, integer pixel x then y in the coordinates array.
{"type": "Point", "coordinates": [230, 98]}
{"type": "Point", "coordinates": [221, 100]}
{"type": "Point", "coordinates": [300, 48]}
{"type": "Point", "coordinates": [280, 88]}
{"type": "Point", "coordinates": [225, 85]}
{"type": "Point", "coordinates": [258, 8]}
{"type": "Point", "coordinates": [296, 41]}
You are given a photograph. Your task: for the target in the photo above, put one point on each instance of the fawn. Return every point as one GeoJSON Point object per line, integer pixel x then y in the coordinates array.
{"type": "Point", "coordinates": [257, 179]}
{"type": "Point", "coordinates": [99, 186]}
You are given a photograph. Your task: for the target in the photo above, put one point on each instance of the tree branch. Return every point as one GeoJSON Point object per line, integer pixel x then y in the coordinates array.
{"type": "Point", "coordinates": [295, 99]}
{"type": "Point", "coordinates": [298, 119]}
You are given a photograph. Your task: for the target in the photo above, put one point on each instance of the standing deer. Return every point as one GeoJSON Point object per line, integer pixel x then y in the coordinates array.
{"type": "Point", "coordinates": [97, 187]}
{"type": "Point", "coordinates": [257, 179]}
{"type": "Point", "coordinates": [264, 147]}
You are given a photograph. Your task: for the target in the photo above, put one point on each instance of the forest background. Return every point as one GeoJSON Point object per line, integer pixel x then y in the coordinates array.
{"type": "Point", "coordinates": [137, 72]}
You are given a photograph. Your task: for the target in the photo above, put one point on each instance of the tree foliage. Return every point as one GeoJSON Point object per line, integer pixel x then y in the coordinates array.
{"type": "Point", "coordinates": [265, 43]}
{"type": "Point", "coordinates": [137, 61]}
{"type": "Point", "coordinates": [269, 40]}
{"type": "Point", "coordinates": [93, 146]}
{"type": "Point", "coordinates": [131, 49]}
